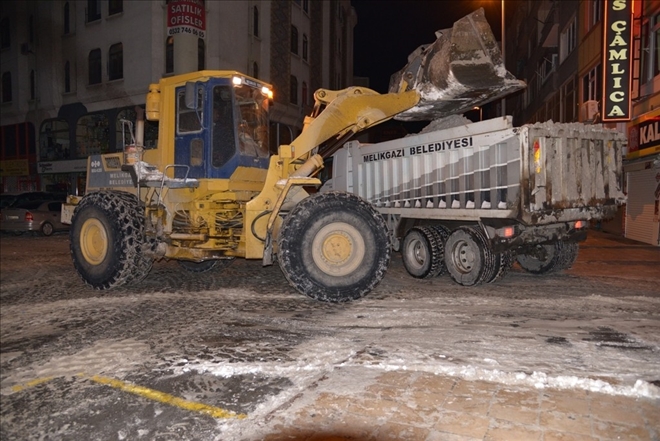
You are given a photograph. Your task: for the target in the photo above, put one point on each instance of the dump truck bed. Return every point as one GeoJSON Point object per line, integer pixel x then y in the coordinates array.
{"type": "Point", "coordinates": [538, 174]}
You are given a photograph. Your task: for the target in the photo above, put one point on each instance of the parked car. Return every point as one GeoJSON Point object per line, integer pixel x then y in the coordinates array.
{"type": "Point", "coordinates": [15, 199]}
{"type": "Point", "coordinates": [42, 216]}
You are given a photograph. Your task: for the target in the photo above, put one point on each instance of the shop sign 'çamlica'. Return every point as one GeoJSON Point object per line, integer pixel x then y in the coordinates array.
{"type": "Point", "coordinates": [617, 60]}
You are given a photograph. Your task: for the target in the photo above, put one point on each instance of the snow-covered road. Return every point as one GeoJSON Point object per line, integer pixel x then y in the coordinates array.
{"type": "Point", "coordinates": [245, 341]}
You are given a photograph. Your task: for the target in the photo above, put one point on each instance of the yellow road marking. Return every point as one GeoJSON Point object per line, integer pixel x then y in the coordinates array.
{"type": "Point", "coordinates": [215, 412]}
{"type": "Point", "coordinates": [32, 383]}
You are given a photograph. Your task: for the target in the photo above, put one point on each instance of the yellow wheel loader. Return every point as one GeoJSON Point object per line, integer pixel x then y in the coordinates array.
{"type": "Point", "coordinates": [211, 192]}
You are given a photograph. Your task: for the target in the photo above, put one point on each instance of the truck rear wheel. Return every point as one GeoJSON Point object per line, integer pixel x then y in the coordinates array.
{"type": "Point", "coordinates": [107, 236]}
{"type": "Point", "coordinates": [423, 252]}
{"type": "Point", "coordinates": [444, 233]}
{"type": "Point", "coordinates": [468, 257]}
{"type": "Point", "coordinates": [503, 263]}
{"type": "Point", "coordinates": [333, 247]}
{"type": "Point", "coordinates": [547, 258]}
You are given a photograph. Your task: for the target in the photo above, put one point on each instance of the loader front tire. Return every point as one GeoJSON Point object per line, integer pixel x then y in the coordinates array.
{"type": "Point", "coordinates": [107, 238]}
{"type": "Point", "coordinates": [333, 247]}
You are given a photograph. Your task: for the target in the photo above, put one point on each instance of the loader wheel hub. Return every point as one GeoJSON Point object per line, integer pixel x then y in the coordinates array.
{"type": "Point", "coordinates": [93, 241]}
{"type": "Point", "coordinates": [338, 249]}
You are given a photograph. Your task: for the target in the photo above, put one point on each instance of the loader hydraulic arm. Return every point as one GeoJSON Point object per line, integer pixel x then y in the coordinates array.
{"type": "Point", "coordinates": [337, 114]}
{"type": "Point", "coordinates": [340, 114]}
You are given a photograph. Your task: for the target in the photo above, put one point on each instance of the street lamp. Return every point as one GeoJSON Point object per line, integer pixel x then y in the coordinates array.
{"type": "Point", "coordinates": [481, 112]}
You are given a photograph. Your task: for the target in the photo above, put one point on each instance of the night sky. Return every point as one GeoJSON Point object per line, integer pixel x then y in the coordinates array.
{"type": "Point", "coordinates": [388, 31]}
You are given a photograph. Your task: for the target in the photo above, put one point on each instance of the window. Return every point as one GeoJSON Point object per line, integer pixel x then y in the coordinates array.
{"type": "Point", "coordinates": [592, 84]}
{"type": "Point", "coordinates": [188, 120]}
{"type": "Point", "coordinates": [115, 7]}
{"type": "Point", "coordinates": [54, 140]}
{"type": "Point", "coordinates": [6, 87]}
{"type": "Point", "coordinates": [594, 12]}
{"type": "Point", "coordinates": [92, 135]}
{"type": "Point", "coordinates": [169, 55]}
{"type": "Point", "coordinates": [116, 62]}
{"type": "Point", "coordinates": [293, 90]}
{"type": "Point", "coordinates": [130, 114]}
{"type": "Point", "coordinates": [33, 85]}
{"type": "Point", "coordinates": [93, 10]}
{"type": "Point", "coordinates": [546, 67]}
{"type": "Point", "coordinates": [67, 77]}
{"type": "Point", "coordinates": [255, 70]}
{"type": "Point", "coordinates": [304, 94]}
{"type": "Point", "coordinates": [568, 40]}
{"type": "Point", "coordinates": [569, 101]}
{"type": "Point", "coordinates": [294, 40]}
{"type": "Point", "coordinates": [31, 29]}
{"type": "Point", "coordinates": [94, 62]}
{"type": "Point", "coordinates": [255, 21]}
{"type": "Point", "coordinates": [67, 18]}
{"type": "Point", "coordinates": [305, 47]}
{"type": "Point", "coordinates": [224, 133]}
{"type": "Point", "coordinates": [305, 5]}
{"type": "Point", "coordinates": [5, 35]}
{"type": "Point", "coordinates": [651, 49]}
{"type": "Point", "coordinates": [201, 54]}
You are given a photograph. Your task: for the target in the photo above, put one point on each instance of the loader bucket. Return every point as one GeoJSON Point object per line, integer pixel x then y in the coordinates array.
{"type": "Point", "coordinates": [462, 69]}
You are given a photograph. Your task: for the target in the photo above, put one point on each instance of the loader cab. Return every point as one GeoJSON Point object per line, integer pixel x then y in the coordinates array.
{"type": "Point", "coordinates": [221, 124]}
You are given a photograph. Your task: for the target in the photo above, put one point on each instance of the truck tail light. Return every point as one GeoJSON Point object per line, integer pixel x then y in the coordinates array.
{"type": "Point", "coordinates": [508, 232]}
{"type": "Point", "coordinates": [29, 217]}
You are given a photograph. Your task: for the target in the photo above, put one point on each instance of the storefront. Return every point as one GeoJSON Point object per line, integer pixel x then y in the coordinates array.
{"type": "Point", "coordinates": [642, 168]}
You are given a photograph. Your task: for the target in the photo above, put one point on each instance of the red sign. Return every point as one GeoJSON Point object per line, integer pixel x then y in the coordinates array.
{"type": "Point", "coordinates": [186, 17]}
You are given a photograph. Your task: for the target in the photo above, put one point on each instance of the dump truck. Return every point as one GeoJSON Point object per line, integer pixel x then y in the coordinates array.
{"type": "Point", "coordinates": [471, 199]}
{"type": "Point", "coordinates": [210, 190]}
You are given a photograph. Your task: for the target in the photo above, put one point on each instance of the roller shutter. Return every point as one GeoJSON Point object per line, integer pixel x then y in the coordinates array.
{"type": "Point", "coordinates": [641, 216]}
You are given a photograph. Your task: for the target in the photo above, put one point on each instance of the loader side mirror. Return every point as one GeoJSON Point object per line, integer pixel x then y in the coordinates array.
{"type": "Point", "coordinates": [192, 100]}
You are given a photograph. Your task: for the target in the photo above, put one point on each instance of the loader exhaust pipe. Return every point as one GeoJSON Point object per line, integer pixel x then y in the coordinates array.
{"type": "Point", "coordinates": [462, 69]}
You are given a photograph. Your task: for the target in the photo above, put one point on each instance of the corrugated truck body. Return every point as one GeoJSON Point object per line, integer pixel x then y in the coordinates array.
{"type": "Point", "coordinates": [538, 180]}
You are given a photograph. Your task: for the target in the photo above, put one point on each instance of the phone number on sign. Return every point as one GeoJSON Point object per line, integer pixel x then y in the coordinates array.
{"type": "Point", "coordinates": [182, 30]}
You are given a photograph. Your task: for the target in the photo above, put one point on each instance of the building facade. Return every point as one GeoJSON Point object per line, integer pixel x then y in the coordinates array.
{"type": "Point", "coordinates": [573, 70]}
{"type": "Point", "coordinates": [72, 71]}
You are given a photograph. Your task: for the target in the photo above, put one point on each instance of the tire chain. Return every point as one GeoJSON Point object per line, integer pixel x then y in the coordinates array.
{"type": "Point", "coordinates": [134, 267]}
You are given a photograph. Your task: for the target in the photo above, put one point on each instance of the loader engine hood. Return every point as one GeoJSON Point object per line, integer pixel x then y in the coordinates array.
{"type": "Point", "coordinates": [463, 68]}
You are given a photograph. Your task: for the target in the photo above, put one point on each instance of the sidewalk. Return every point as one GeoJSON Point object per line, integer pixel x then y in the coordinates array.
{"type": "Point", "coordinates": [419, 406]}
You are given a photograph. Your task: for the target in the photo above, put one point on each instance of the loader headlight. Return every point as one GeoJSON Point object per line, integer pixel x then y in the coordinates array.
{"type": "Point", "coordinates": [267, 92]}
{"type": "Point", "coordinates": [237, 81]}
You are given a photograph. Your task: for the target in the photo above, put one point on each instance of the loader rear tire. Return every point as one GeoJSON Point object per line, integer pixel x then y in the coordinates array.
{"type": "Point", "coordinates": [468, 258]}
{"type": "Point", "coordinates": [423, 252]}
{"type": "Point", "coordinates": [107, 239]}
{"type": "Point", "coordinates": [333, 247]}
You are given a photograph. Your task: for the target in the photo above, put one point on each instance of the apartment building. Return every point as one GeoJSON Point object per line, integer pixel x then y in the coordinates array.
{"type": "Point", "coordinates": [73, 70]}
